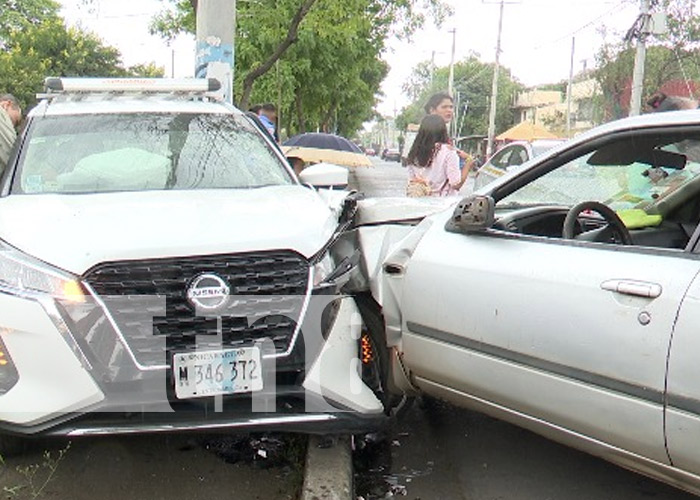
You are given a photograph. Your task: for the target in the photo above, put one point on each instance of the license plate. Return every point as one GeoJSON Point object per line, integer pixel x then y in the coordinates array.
{"type": "Point", "coordinates": [210, 373]}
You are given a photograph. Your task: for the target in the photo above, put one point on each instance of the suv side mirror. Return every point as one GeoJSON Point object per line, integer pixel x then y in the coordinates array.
{"type": "Point", "coordinates": [325, 175]}
{"type": "Point", "coordinates": [474, 213]}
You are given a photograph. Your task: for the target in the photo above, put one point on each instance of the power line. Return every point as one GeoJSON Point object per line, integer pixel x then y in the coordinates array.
{"type": "Point", "coordinates": [618, 7]}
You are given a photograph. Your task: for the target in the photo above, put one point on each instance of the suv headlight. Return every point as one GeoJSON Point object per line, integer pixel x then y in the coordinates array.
{"type": "Point", "coordinates": [21, 274]}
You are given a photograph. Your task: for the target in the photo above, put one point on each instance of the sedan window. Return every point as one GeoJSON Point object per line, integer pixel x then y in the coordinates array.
{"type": "Point", "coordinates": [518, 157]}
{"type": "Point", "coordinates": [501, 159]}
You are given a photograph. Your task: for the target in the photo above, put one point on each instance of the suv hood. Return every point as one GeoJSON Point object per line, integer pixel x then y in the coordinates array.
{"type": "Point", "coordinates": [76, 232]}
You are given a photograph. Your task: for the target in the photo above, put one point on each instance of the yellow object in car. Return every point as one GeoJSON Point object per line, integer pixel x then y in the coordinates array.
{"type": "Point", "coordinates": [636, 218]}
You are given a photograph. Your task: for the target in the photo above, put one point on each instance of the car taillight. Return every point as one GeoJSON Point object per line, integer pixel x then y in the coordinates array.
{"type": "Point", "coordinates": [8, 371]}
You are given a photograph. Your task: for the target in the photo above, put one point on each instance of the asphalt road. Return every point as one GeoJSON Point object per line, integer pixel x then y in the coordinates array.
{"type": "Point", "coordinates": [154, 467]}
{"type": "Point", "coordinates": [440, 452]}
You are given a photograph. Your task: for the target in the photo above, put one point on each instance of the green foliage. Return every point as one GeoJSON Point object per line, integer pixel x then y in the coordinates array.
{"type": "Point", "coordinates": [149, 70]}
{"type": "Point", "coordinates": [615, 68]}
{"type": "Point", "coordinates": [49, 48]}
{"type": "Point", "coordinates": [673, 56]}
{"type": "Point", "coordinates": [329, 78]}
{"type": "Point", "coordinates": [20, 14]}
{"type": "Point", "coordinates": [472, 81]}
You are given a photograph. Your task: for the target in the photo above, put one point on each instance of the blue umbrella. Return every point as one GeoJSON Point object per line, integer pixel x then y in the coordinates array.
{"type": "Point", "coordinates": [323, 141]}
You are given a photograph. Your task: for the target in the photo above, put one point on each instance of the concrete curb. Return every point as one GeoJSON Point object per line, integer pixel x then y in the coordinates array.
{"type": "Point", "coordinates": [328, 473]}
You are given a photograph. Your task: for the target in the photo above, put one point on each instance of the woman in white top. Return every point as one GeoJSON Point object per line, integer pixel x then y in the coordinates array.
{"type": "Point", "coordinates": [433, 164]}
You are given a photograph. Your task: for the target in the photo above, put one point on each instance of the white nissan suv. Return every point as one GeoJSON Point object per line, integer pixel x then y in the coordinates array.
{"type": "Point", "coordinates": [162, 268]}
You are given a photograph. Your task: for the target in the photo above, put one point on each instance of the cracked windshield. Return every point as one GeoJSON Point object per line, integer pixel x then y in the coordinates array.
{"type": "Point", "coordinates": [615, 182]}
{"type": "Point", "coordinates": [349, 249]}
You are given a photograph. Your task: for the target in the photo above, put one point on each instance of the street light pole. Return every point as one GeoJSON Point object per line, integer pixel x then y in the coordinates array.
{"type": "Point", "coordinates": [451, 81]}
{"type": "Point", "coordinates": [215, 33]}
{"type": "Point", "coordinates": [494, 88]}
{"type": "Point", "coordinates": [639, 58]}
{"type": "Point", "coordinates": [569, 88]}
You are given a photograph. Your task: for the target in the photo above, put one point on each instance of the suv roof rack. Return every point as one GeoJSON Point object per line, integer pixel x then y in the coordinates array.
{"type": "Point", "coordinates": [54, 85]}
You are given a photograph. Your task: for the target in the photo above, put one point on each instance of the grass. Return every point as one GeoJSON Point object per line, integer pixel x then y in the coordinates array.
{"type": "Point", "coordinates": [34, 478]}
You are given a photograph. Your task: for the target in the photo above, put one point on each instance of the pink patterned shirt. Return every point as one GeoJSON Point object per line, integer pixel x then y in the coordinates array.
{"type": "Point", "coordinates": [443, 173]}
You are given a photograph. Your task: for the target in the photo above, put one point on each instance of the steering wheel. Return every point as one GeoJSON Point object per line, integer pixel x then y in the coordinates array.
{"type": "Point", "coordinates": [614, 230]}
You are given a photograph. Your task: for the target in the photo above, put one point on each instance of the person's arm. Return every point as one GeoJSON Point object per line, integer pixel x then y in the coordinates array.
{"type": "Point", "coordinates": [455, 176]}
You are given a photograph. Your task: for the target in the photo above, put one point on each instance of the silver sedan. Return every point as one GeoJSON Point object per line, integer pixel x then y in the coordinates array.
{"type": "Point", "coordinates": [565, 297]}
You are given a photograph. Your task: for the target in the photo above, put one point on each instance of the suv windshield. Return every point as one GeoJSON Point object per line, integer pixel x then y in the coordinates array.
{"type": "Point", "coordinates": [146, 151]}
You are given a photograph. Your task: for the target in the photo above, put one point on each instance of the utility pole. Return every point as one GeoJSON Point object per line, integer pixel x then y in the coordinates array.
{"type": "Point", "coordinates": [494, 88]}
{"type": "Point", "coordinates": [569, 88]}
{"type": "Point", "coordinates": [639, 58]}
{"type": "Point", "coordinates": [432, 70]}
{"type": "Point", "coordinates": [451, 81]}
{"type": "Point", "coordinates": [216, 20]}
{"type": "Point", "coordinates": [454, 124]}
{"type": "Point", "coordinates": [279, 98]}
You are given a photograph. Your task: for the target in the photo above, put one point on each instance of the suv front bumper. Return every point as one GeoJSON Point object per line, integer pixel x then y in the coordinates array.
{"type": "Point", "coordinates": [59, 393]}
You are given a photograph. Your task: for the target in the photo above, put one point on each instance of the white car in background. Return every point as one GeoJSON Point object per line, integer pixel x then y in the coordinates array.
{"type": "Point", "coordinates": [509, 156]}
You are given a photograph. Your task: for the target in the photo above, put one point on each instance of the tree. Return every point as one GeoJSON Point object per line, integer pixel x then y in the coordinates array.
{"type": "Point", "coordinates": [674, 56]}
{"type": "Point", "coordinates": [473, 84]}
{"type": "Point", "coordinates": [51, 49]}
{"type": "Point", "coordinates": [324, 69]}
{"type": "Point", "coordinates": [21, 14]}
{"type": "Point", "coordinates": [149, 70]}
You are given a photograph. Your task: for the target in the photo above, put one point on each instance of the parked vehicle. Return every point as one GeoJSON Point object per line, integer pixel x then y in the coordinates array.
{"type": "Point", "coordinates": [564, 297]}
{"type": "Point", "coordinates": [509, 156]}
{"type": "Point", "coordinates": [158, 258]}
{"type": "Point", "coordinates": [391, 154]}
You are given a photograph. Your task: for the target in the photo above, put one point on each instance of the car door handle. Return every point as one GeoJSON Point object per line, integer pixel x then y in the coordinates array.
{"type": "Point", "coordinates": [635, 288]}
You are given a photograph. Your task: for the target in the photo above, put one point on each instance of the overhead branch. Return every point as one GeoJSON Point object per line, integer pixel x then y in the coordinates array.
{"type": "Point", "coordinates": [265, 66]}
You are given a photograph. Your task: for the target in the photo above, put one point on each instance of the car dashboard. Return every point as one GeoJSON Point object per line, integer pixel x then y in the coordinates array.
{"type": "Point", "coordinates": [548, 222]}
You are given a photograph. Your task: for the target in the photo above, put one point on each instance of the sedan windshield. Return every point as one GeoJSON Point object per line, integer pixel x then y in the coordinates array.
{"type": "Point", "coordinates": [136, 152]}
{"type": "Point", "coordinates": [613, 180]}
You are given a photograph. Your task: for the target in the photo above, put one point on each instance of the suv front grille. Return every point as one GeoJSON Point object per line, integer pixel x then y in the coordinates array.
{"type": "Point", "coordinates": [148, 301]}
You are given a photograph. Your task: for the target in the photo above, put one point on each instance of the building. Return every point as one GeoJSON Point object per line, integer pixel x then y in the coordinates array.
{"type": "Point", "coordinates": [548, 108]}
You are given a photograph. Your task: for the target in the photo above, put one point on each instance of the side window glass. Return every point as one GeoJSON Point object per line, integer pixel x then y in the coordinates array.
{"type": "Point", "coordinates": [501, 158]}
{"type": "Point", "coordinates": [649, 181]}
{"type": "Point", "coordinates": [518, 157]}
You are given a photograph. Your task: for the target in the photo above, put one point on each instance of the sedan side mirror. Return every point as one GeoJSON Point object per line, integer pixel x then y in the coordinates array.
{"type": "Point", "coordinates": [325, 175]}
{"type": "Point", "coordinates": [473, 214]}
